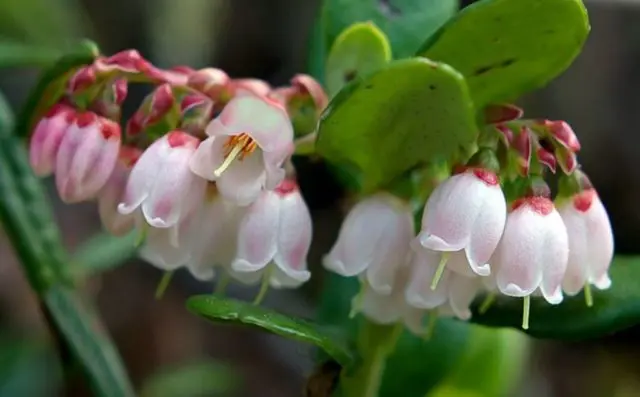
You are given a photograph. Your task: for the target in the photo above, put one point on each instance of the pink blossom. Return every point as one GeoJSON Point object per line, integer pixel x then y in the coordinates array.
{"type": "Point", "coordinates": [47, 137]}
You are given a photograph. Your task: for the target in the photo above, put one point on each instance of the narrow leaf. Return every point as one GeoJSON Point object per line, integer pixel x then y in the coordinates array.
{"type": "Point", "coordinates": [15, 54]}
{"type": "Point", "coordinates": [237, 312]}
{"type": "Point", "coordinates": [103, 252]}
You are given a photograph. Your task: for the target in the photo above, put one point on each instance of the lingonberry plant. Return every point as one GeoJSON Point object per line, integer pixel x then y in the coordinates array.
{"type": "Point", "coordinates": [451, 217]}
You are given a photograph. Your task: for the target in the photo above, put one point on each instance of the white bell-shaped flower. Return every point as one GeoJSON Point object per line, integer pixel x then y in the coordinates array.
{"type": "Point", "coordinates": [465, 217]}
{"type": "Point", "coordinates": [276, 229]}
{"type": "Point", "coordinates": [161, 183]}
{"type": "Point", "coordinates": [247, 146]}
{"type": "Point", "coordinates": [590, 242]}
{"type": "Point", "coordinates": [374, 241]}
{"type": "Point", "coordinates": [533, 252]}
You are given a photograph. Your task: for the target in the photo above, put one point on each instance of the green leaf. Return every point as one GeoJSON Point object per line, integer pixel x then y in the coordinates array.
{"type": "Point", "coordinates": [407, 114]}
{"type": "Point", "coordinates": [407, 23]}
{"type": "Point", "coordinates": [28, 222]}
{"type": "Point", "coordinates": [491, 366]}
{"type": "Point", "coordinates": [237, 312]}
{"type": "Point", "coordinates": [197, 379]}
{"type": "Point", "coordinates": [416, 365]}
{"type": "Point", "coordinates": [103, 252]}
{"type": "Point", "coordinates": [613, 310]}
{"type": "Point", "coordinates": [81, 329]}
{"type": "Point", "coordinates": [51, 84]}
{"type": "Point", "coordinates": [16, 54]}
{"type": "Point", "coordinates": [506, 48]}
{"type": "Point", "coordinates": [360, 50]}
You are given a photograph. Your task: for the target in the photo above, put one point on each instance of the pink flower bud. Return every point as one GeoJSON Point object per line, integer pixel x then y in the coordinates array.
{"type": "Point", "coordinates": [495, 114]}
{"type": "Point", "coordinates": [162, 185]}
{"type": "Point", "coordinates": [547, 158]}
{"type": "Point", "coordinates": [86, 158]}
{"type": "Point", "coordinates": [373, 241]}
{"type": "Point", "coordinates": [111, 194]}
{"type": "Point", "coordinates": [590, 242]}
{"type": "Point", "coordinates": [533, 252]}
{"type": "Point", "coordinates": [47, 137]}
{"type": "Point", "coordinates": [522, 145]}
{"type": "Point", "coordinates": [562, 132]}
{"type": "Point", "coordinates": [256, 87]}
{"type": "Point", "coordinates": [276, 228]}
{"type": "Point", "coordinates": [247, 146]}
{"type": "Point", "coordinates": [84, 78]}
{"type": "Point", "coordinates": [465, 216]}
{"type": "Point", "coordinates": [307, 85]}
{"type": "Point", "coordinates": [210, 81]}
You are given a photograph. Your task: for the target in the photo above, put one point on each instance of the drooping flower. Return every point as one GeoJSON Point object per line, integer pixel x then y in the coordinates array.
{"type": "Point", "coordinates": [464, 218]}
{"type": "Point", "coordinates": [374, 241]}
{"type": "Point", "coordinates": [533, 252]}
{"type": "Point", "coordinates": [165, 248]}
{"type": "Point", "coordinates": [247, 146]}
{"type": "Point", "coordinates": [161, 183]}
{"type": "Point", "coordinates": [453, 294]}
{"type": "Point", "coordinates": [214, 240]}
{"type": "Point", "coordinates": [111, 194]}
{"type": "Point", "coordinates": [590, 241]}
{"type": "Point", "coordinates": [47, 137]}
{"type": "Point", "coordinates": [86, 157]}
{"type": "Point", "coordinates": [275, 228]}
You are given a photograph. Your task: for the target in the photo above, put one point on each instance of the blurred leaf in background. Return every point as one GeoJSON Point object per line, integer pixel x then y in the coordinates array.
{"type": "Point", "coordinates": [204, 378]}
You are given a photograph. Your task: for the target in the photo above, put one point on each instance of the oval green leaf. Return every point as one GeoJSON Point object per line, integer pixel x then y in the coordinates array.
{"type": "Point", "coordinates": [51, 85]}
{"type": "Point", "coordinates": [506, 48]}
{"type": "Point", "coordinates": [613, 310]}
{"type": "Point", "coordinates": [225, 310]}
{"type": "Point", "coordinates": [408, 113]}
{"type": "Point", "coordinates": [407, 23]}
{"type": "Point", "coordinates": [360, 50]}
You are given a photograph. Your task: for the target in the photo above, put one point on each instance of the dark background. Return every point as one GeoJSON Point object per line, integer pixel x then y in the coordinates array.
{"type": "Point", "coordinates": [598, 96]}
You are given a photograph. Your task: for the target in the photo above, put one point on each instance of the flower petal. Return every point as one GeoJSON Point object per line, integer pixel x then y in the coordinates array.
{"type": "Point", "coordinates": [419, 293]}
{"type": "Point", "coordinates": [243, 181]}
{"type": "Point", "coordinates": [208, 157]}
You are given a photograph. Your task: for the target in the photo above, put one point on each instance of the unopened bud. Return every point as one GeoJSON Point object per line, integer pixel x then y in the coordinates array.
{"type": "Point", "coordinates": [494, 114]}
{"type": "Point", "coordinates": [84, 78]}
{"type": "Point", "coordinates": [522, 146]}
{"type": "Point", "coordinates": [209, 81]}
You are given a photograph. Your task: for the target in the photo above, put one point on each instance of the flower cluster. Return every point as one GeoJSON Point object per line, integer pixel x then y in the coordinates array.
{"type": "Point", "coordinates": [202, 169]}
{"type": "Point", "coordinates": [475, 239]}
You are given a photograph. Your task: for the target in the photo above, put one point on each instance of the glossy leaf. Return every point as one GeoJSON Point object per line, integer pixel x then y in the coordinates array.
{"type": "Point", "coordinates": [51, 84]}
{"type": "Point", "coordinates": [416, 365]}
{"type": "Point", "coordinates": [82, 331]}
{"type": "Point", "coordinates": [196, 379]}
{"type": "Point", "coordinates": [103, 252]}
{"type": "Point", "coordinates": [407, 23]}
{"type": "Point", "coordinates": [490, 367]}
{"type": "Point", "coordinates": [16, 54]}
{"type": "Point", "coordinates": [226, 310]}
{"type": "Point", "coordinates": [409, 113]}
{"type": "Point", "coordinates": [360, 50]}
{"type": "Point", "coordinates": [506, 48]}
{"type": "Point", "coordinates": [614, 309]}
{"type": "Point", "coordinates": [28, 223]}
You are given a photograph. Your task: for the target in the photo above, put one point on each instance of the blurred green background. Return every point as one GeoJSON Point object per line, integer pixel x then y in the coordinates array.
{"type": "Point", "coordinates": [169, 352]}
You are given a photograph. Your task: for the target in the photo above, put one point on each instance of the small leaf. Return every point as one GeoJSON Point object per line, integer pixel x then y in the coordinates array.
{"type": "Point", "coordinates": [51, 85]}
{"type": "Point", "coordinates": [407, 23]}
{"type": "Point", "coordinates": [360, 50]}
{"type": "Point", "coordinates": [233, 311]}
{"type": "Point", "coordinates": [506, 48]}
{"type": "Point", "coordinates": [15, 54]}
{"type": "Point", "coordinates": [80, 328]}
{"type": "Point", "coordinates": [103, 252]}
{"type": "Point", "coordinates": [407, 114]}
{"type": "Point", "coordinates": [613, 310]}
{"type": "Point", "coordinates": [196, 379]}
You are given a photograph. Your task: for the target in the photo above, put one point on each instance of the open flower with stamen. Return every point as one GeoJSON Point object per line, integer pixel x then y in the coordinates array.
{"type": "Point", "coordinates": [161, 184]}
{"type": "Point", "coordinates": [86, 157]}
{"type": "Point", "coordinates": [247, 146]}
{"type": "Point", "coordinates": [533, 252]}
{"type": "Point", "coordinates": [464, 219]}
{"type": "Point", "coordinates": [274, 236]}
{"type": "Point", "coordinates": [47, 137]}
{"type": "Point", "coordinates": [590, 242]}
{"type": "Point", "coordinates": [111, 194]}
{"type": "Point", "coordinates": [373, 241]}
{"type": "Point", "coordinates": [166, 249]}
